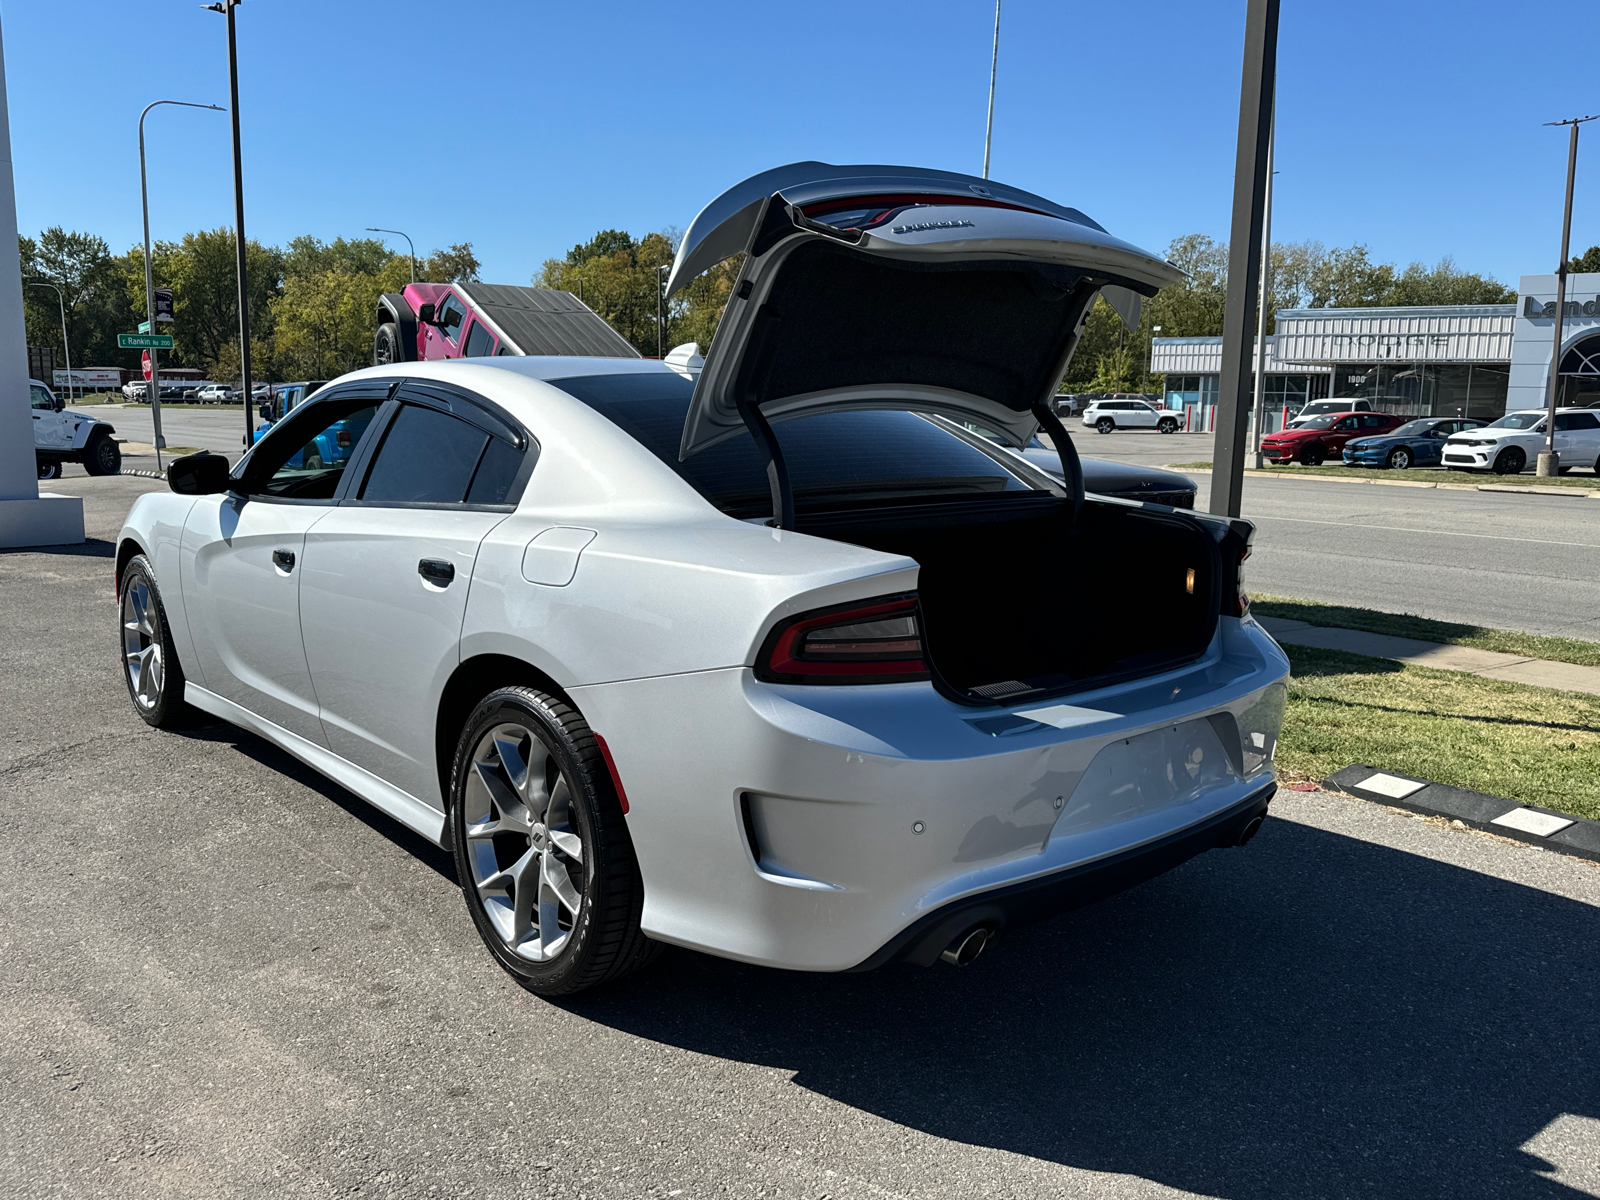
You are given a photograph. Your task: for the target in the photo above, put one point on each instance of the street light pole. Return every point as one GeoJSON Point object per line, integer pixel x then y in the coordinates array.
{"type": "Point", "coordinates": [375, 229]}
{"type": "Point", "coordinates": [149, 276]}
{"type": "Point", "coordinates": [65, 345]}
{"type": "Point", "coordinates": [1266, 296]}
{"type": "Point", "coordinates": [1549, 461]}
{"type": "Point", "coordinates": [226, 7]}
{"type": "Point", "coordinates": [994, 63]}
{"type": "Point", "coordinates": [661, 311]}
{"type": "Point", "coordinates": [1256, 87]}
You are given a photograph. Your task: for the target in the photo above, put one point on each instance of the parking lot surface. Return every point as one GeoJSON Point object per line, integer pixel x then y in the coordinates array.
{"type": "Point", "coordinates": [223, 976]}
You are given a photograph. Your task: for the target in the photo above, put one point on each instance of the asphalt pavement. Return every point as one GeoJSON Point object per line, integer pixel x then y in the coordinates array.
{"type": "Point", "coordinates": [223, 976]}
{"type": "Point", "coordinates": [1508, 561]}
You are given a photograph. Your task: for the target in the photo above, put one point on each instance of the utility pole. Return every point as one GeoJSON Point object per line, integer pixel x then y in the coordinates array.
{"type": "Point", "coordinates": [65, 345]}
{"type": "Point", "coordinates": [375, 229]}
{"type": "Point", "coordinates": [1550, 461]}
{"type": "Point", "coordinates": [994, 63]}
{"type": "Point", "coordinates": [149, 276]}
{"type": "Point", "coordinates": [1256, 87]}
{"type": "Point", "coordinates": [226, 7]}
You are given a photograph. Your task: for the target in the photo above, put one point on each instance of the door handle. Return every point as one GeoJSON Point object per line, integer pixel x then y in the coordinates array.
{"type": "Point", "coordinates": [436, 570]}
{"type": "Point", "coordinates": [283, 560]}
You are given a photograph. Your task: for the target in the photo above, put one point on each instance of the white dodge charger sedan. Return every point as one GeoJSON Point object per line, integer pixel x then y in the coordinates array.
{"type": "Point", "coordinates": [774, 659]}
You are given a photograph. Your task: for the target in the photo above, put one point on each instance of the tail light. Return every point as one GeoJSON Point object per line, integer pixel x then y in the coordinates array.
{"type": "Point", "coordinates": [343, 437]}
{"type": "Point", "coordinates": [873, 641]}
{"type": "Point", "coordinates": [1235, 549]}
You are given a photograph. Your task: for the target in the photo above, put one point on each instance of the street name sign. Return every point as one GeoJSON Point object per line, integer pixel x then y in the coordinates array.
{"type": "Point", "coordinates": [144, 341]}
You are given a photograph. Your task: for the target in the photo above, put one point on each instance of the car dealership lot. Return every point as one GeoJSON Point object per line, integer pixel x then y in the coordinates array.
{"type": "Point", "coordinates": [223, 975]}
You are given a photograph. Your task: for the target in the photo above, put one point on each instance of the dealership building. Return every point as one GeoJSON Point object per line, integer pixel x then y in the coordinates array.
{"type": "Point", "coordinates": [1476, 360]}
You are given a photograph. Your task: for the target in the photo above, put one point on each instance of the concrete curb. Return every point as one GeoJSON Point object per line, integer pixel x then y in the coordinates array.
{"type": "Point", "coordinates": [1532, 489]}
{"type": "Point", "coordinates": [1561, 832]}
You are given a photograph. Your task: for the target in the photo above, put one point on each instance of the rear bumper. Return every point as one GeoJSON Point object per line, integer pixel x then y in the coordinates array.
{"type": "Point", "coordinates": [1037, 899]}
{"type": "Point", "coordinates": [812, 827]}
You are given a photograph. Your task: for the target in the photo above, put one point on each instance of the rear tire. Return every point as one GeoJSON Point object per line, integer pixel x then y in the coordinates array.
{"type": "Point", "coordinates": [1313, 455]}
{"type": "Point", "coordinates": [542, 850]}
{"type": "Point", "coordinates": [1104, 425]}
{"type": "Point", "coordinates": [150, 664]}
{"type": "Point", "coordinates": [1399, 459]}
{"type": "Point", "coordinates": [386, 345]}
{"type": "Point", "coordinates": [1510, 462]}
{"type": "Point", "coordinates": [102, 456]}
{"type": "Point", "coordinates": [49, 468]}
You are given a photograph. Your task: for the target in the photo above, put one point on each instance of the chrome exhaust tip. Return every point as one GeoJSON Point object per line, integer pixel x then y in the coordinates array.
{"type": "Point", "coordinates": [967, 947]}
{"type": "Point", "coordinates": [1251, 830]}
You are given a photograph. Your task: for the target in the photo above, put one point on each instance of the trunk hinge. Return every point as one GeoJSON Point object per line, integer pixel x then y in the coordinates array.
{"type": "Point", "coordinates": [1072, 469]}
{"type": "Point", "coordinates": [777, 469]}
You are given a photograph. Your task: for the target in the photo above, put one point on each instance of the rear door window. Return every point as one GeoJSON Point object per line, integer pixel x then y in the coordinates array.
{"type": "Point", "coordinates": [427, 457]}
{"type": "Point", "coordinates": [837, 459]}
{"type": "Point", "coordinates": [480, 342]}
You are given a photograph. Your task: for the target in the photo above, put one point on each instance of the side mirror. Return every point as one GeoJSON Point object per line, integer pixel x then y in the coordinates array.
{"type": "Point", "coordinates": [60, 404]}
{"type": "Point", "coordinates": [265, 409]}
{"type": "Point", "coordinates": [202, 474]}
{"type": "Point", "coordinates": [425, 314]}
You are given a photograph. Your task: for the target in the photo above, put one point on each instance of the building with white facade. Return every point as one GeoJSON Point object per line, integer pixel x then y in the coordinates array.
{"type": "Point", "coordinates": [1479, 360]}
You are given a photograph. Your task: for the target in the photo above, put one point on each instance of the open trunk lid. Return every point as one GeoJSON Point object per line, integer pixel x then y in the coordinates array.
{"type": "Point", "coordinates": [897, 287]}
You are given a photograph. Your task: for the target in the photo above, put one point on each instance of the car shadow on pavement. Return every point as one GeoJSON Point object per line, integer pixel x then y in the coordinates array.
{"type": "Point", "coordinates": [283, 763]}
{"type": "Point", "coordinates": [1313, 1016]}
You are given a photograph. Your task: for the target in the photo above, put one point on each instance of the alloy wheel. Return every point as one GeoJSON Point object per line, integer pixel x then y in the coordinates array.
{"type": "Point", "coordinates": [141, 645]}
{"type": "Point", "coordinates": [526, 860]}
{"type": "Point", "coordinates": [1399, 460]}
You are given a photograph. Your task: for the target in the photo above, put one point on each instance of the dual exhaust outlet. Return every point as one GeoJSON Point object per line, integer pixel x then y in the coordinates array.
{"type": "Point", "coordinates": [966, 947]}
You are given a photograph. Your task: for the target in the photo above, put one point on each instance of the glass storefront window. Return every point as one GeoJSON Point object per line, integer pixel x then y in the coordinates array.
{"type": "Point", "coordinates": [1580, 371]}
{"type": "Point", "coordinates": [1487, 399]}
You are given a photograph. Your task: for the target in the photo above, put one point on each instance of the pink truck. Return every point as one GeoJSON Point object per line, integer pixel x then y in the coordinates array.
{"type": "Point", "coordinates": [474, 320]}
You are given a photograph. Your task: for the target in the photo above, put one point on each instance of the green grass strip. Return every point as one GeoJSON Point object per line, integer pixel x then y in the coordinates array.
{"type": "Point", "coordinates": [1451, 633]}
{"type": "Point", "coordinates": [1529, 744]}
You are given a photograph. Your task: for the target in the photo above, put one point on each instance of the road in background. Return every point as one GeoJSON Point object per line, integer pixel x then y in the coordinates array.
{"type": "Point", "coordinates": [222, 975]}
{"type": "Point", "coordinates": [1509, 561]}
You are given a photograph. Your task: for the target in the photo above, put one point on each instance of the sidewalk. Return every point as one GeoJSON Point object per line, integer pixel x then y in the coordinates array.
{"type": "Point", "coordinates": [1539, 672]}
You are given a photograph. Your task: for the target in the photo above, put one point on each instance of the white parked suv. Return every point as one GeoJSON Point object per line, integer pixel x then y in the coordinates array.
{"type": "Point", "coordinates": [1124, 412]}
{"type": "Point", "coordinates": [761, 660]}
{"type": "Point", "coordinates": [61, 435]}
{"type": "Point", "coordinates": [1509, 445]}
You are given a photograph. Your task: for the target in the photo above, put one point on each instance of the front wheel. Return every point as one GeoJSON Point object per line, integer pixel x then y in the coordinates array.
{"type": "Point", "coordinates": [1168, 425]}
{"type": "Point", "coordinates": [1313, 455]}
{"type": "Point", "coordinates": [1104, 425]}
{"type": "Point", "coordinates": [386, 345]}
{"type": "Point", "coordinates": [103, 457]}
{"type": "Point", "coordinates": [149, 661]}
{"type": "Point", "coordinates": [542, 848]}
{"type": "Point", "coordinates": [1399, 459]}
{"type": "Point", "coordinates": [1510, 462]}
{"type": "Point", "coordinates": [49, 468]}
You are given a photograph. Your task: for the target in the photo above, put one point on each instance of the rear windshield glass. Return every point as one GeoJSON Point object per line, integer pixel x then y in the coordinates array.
{"type": "Point", "coordinates": [834, 459]}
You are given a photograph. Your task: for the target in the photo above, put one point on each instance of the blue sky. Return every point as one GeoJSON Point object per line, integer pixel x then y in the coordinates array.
{"type": "Point", "coordinates": [524, 126]}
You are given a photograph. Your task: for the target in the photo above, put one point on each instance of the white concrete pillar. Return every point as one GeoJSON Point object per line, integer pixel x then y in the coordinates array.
{"type": "Point", "coordinates": [26, 517]}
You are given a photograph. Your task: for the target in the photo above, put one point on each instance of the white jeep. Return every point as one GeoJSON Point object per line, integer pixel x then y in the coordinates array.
{"type": "Point", "coordinates": [61, 435]}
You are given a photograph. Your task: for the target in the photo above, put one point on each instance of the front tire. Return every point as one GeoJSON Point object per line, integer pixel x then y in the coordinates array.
{"type": "Point", "coordinates": [542, 850]}
{"type": "Point", "coordinates": [1104, 425]}
{"type": "Point", "coordinates": [1399, 459]}
{"type": "Point", "coordinates": [150, 664]}
{"type": "Point", "coordinates": [1168, 425]}
{"type": "Point", "coordinates": [1510, 462]}
{"type": "Point", "coordinates": [386, 345]}
{"type": "Point", "coordinates": [103, 457]}
{"type": "Point", "coordinates": [1313, 455]}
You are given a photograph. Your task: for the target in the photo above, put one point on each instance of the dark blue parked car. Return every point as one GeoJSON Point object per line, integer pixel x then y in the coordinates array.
{"type": "Point", "coordinates": [1414, 444]}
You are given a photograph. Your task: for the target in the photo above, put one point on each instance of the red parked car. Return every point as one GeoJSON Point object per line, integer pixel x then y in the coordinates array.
{"type": "Point", "coordinates": [1322, 438]}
